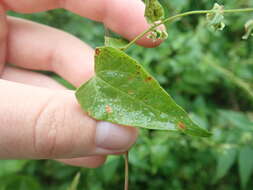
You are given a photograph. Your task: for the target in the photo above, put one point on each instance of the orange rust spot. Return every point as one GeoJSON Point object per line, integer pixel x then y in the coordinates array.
{"type": "Point", "coordinates": [148, 79]}
{"type": "Point", "coordinates": [97, 52]}
{"type": "Point", "coordinates": [108, 109]}
{"type": "Point", "coordinates": [181, 125]}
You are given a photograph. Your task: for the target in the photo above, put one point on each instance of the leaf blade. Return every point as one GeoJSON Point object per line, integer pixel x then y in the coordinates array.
{"type": "Point", "coordinates": [225, 161]}
{"type": "Point", "coordinates": [245, 165]}
{"type": "Point", "coordinates": [123, 92]}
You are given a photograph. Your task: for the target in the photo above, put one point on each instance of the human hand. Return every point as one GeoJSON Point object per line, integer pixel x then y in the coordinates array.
{"type": "Point", "coordinates": [42, 120]}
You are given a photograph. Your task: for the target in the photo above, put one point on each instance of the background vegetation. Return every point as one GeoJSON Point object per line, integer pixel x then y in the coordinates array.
{"type": "Point", "coordinates": [206, 72]}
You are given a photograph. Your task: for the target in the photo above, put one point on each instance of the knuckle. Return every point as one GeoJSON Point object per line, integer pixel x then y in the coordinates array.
{"type": "Point", "coordinates": [61, 130]}
{"type": "Point", "coordinates": [48, 129]}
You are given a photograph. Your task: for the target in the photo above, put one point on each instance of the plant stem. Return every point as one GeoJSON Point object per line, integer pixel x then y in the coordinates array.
{"type": "Point", "coordinates": [126, 171]}
{"type": "Point", "coordinates": [173, 18]}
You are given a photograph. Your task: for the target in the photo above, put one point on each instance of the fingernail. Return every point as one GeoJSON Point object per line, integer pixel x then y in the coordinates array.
{"type": "Point", "coordinates": [114, 137]}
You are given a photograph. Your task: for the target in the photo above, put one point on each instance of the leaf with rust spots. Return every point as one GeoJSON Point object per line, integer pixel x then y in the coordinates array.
{"type": "Point", "coordinates": [148, 107]}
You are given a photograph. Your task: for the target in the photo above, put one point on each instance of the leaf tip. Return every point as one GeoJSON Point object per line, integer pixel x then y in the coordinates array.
{"type": "Point", "coordinates": [197, 131]}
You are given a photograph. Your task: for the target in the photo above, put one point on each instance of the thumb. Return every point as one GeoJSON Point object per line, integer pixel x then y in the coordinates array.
{"type": "Point", "coordinates": [41, 123]}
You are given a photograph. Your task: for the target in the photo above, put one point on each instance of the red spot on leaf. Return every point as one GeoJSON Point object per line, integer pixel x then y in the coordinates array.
{"type": "Point", "coordinates": [148, 79]}
{"type": "Point", "coordinates": [181, 125]}
{"type": "Point", "coordinates": [97, 51]}
{"type": "Point", "coordinates": [108, 109]}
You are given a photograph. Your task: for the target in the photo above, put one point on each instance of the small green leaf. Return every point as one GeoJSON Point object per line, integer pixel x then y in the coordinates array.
{"type": "Point", "coordinates": [115, 42]}
{"type": "Point", "coordinates": [123, 92]}
{"type": "Point", "coordinates": [226, 159]}
{"type": "Point", "coordinates": [154, 11]}
{"type": "Point", "coordinates": [245, 164]}
{"type": "Point", "coordinates": [216, 18]}
{"type": "Point", "coordinates": [248, 29]}
{"type": "Point", "coordinates": [75, 182]}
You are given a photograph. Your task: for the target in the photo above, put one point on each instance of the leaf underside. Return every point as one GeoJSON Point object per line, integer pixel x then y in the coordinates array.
{"type": "Point", "coordinates": [122, 92]}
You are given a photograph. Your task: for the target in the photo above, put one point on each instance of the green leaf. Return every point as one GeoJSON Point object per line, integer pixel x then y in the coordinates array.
{"type": "Point", "coordinates": [115, 42]}
{"type": "Point", "coordinates": [245, 164]}
{"type": "Point", "coordinates": [248, 29]}
{"type": "Point", "coordinates": [75, 182]}
{"type": "Point", "coordinates": [123, 92]}
{"type": "Point", "coordinates": [11, 166]}
{"type": "Point", "coordinates": [216, 18]}
{"type": "Point", "coordinates": [154, 11]}
{"type": "Point", "coordinates": [226, 159]}
{"type": "Point", "coordinates": [237, 119]}
{"type": "Point", "coordinates": [19, 183]}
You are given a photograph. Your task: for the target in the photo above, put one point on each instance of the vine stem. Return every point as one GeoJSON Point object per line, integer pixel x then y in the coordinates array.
{"type": "Point", "coordinates": [173, 18]}
{"type": "Point", "coordinates": [126, 171]}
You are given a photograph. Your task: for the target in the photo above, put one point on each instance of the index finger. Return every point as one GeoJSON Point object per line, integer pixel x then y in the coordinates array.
{"type": "Point", "coordinates": [125, 17]}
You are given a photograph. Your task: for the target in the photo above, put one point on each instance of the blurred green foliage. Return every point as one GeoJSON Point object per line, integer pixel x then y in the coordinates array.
{"type": "Point", "coordinates": [205, 72]}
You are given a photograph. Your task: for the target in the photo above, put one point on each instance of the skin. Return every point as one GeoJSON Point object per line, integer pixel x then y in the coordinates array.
{"type": "Point", "coordinates": [39, 118]}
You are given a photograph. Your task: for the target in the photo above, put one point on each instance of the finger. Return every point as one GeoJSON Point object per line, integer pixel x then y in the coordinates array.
{"type": "Point", "coordinates": [58, 51]}
{"type": "Point", "coordinates": [19, 75]}
{"type": "Point", "coordinates": [87, 162]}
{"type": "Point", "coordinates": [125, 17]}
{"type": "Point", "coordinates": [42, 123]}
{"type": "Point", "coordinates": [32, 78]}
